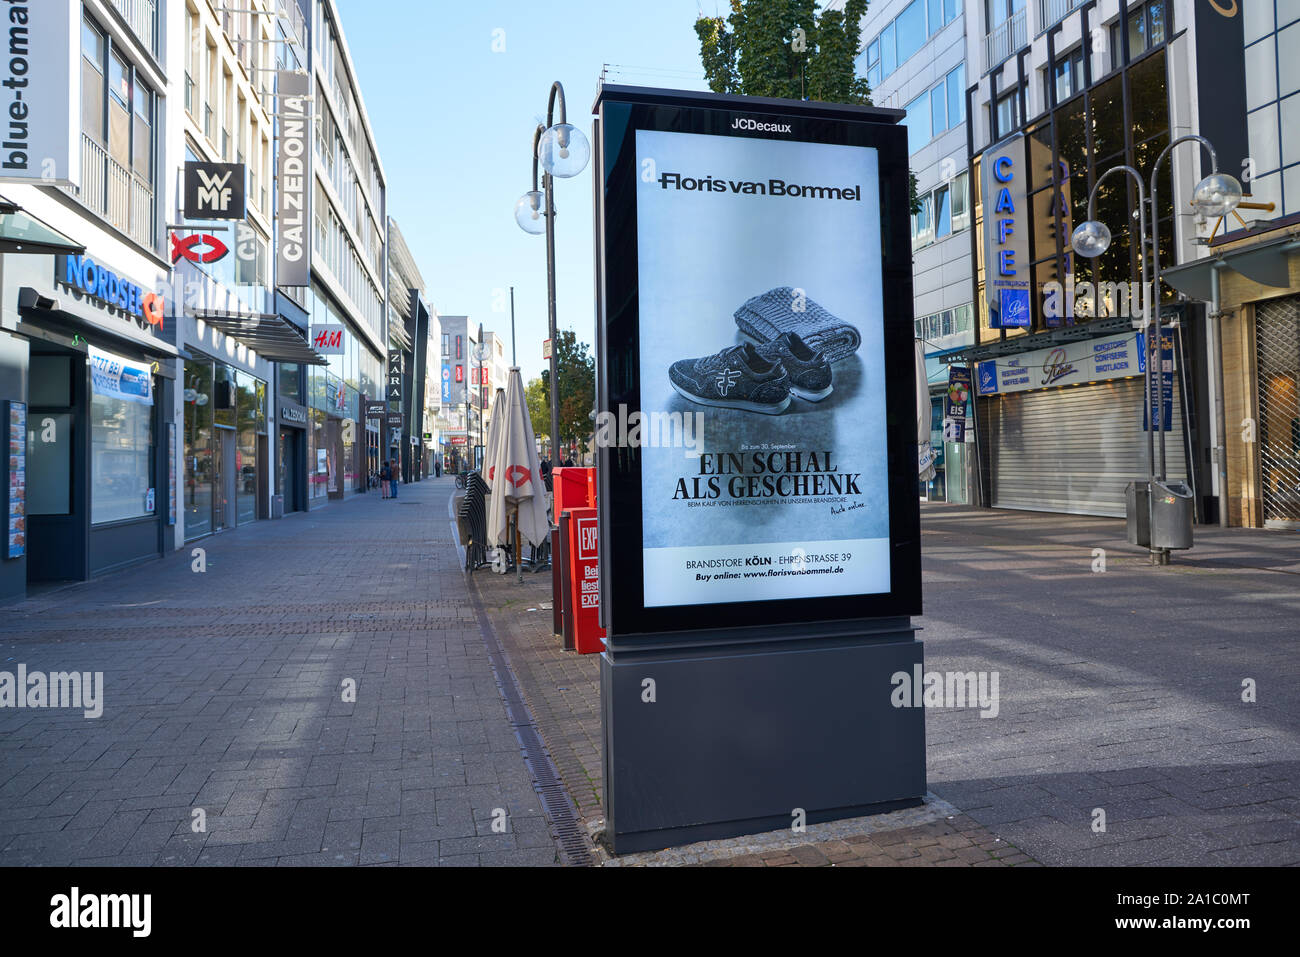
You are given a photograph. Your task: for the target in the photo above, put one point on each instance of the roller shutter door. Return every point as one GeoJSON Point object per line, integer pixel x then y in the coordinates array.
{"type": "Point", "coordinates": [1074, 449]}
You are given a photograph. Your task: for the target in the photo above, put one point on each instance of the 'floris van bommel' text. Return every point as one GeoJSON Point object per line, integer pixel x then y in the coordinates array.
{"type": "Point", "coordinates": [773, 187]}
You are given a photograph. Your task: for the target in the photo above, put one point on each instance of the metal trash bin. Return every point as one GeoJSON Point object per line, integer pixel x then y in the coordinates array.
{"type": "Point", "coordinates": [1138, 514]}
{"type": "Point", "coordinates": [277, 506]}
{"type": "Point", "coordinates": [1171, 515]}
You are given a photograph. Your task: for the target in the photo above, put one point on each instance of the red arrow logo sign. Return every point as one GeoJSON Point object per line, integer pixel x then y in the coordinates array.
{"type": "Point", "coordinates": [517, 475]}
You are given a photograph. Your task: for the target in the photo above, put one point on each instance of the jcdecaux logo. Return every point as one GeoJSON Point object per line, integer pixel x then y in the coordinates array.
{"type": "Point", "coordinates": [99, 282]}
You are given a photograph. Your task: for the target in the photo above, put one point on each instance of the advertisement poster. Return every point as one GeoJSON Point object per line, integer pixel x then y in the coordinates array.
{"type": "Point", "coordinates": [955, 404]}
{"type": "Point", "coordinates": [1162, 384]}
{"type": "Point", "coordinates": [763, 434]}
{"type": "Point", "coordinates": [16, 501]}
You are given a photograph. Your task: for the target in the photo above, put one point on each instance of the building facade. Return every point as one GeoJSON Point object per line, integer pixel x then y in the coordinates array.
{"type": "Point", "coordinates": [1249, 271]}
{"type": "Point", "coordinates": [410, 324]}
{"type": "Point", "coordinates": [1061, 92]}
{"type": "Point", "coordinates": [466, 399]}
{"type": "Point", "coordinates": [88, 355]}
{"type": "Point", "coordinates": [914, 58]}
{"type": "Point", "coordinates": [342, 288]}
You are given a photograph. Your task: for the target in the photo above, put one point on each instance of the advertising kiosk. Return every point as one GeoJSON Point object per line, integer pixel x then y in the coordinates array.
{"type": "Point", "coordinates": [759, 538]}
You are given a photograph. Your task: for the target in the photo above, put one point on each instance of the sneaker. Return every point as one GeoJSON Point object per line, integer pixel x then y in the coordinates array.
{"type": "Point", "coordinates": [735, 378]}
{"type": "Point", "coordinates": [810, 372]}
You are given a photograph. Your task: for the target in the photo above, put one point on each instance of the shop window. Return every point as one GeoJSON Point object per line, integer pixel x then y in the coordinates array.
{"type": "Point", "coordinates": [922, 226]}
{"type": "Point", "coordinates": [917, 122]}
{"type": "Point", "coordinates": [93, 47]}
{"type": "Point", "coordinates": [290, 381]}
{"type": "Point", "coordinates": [121, 460]}
{"type": "Point", "coordinates": [1067, 75]}
{"type": "Point", "coordinates": [998, 12]}
{"type": "Point", "coordinates": [142, 135]}
{"type": "Point", "coordinates": [910, 27]}
{"type": "Point", "coordinates": [1008, 116]}
{"type": "Point", "coordinates": [942, 213]}
{"type": "Point", "coordinates": [198, 448]}
{"type": "Point", "coordinates": [955, 92]}
{"type": "Point", "coordinates": [960, 192]}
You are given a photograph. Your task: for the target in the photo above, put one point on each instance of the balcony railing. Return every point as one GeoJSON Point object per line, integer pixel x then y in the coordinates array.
{"type": "Point", "coordinates": [1005, 41]}
{"type": "Point", "coordinates": [191, 90]}
{"type": "Point", "coordinates": [116, 194]}
{"type": "Point", "coordinates": [1052, 12]}
{"type": "Point", "coordinates": [142, 15]}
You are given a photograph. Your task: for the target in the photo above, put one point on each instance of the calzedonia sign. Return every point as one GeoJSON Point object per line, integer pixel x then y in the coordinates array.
{"type": "Point", "coordinates": [761, 542]}
{"type": "Point", "coordinates": [107, 287]}
{"type": "Point", "coordinates": [293, 181]}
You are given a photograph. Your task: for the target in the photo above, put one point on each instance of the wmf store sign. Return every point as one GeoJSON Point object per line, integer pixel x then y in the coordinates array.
{"type": "Point", "coordinates": [756, 594]}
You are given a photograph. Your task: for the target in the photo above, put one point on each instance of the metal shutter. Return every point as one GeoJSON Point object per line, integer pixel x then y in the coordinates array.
{"type": "Point", "coordinates": [1073, 449]}
{"type": "Point", "coordinates": [1277, 344]}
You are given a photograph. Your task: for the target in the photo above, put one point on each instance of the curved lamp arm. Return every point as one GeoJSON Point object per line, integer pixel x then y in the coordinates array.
{"type": "Point", "coordinates": [1134, 174]}
{"type": "Point", "coordinates": [556, 90]}
{"type": "Point", "coordinates": [537, 138]}
{"type": "Point", "coordinates": [1189, 138]}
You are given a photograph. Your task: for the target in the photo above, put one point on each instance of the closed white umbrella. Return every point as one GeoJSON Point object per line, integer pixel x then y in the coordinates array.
{"type": "Point", "coordinates": [489, 450]}
{"type": "Point", "coordinates": [925, 454]}
{"type": "Point", "coordinates": [518, 480]}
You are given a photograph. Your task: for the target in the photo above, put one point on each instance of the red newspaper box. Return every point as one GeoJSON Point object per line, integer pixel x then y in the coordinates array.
{"type": "Point", "coordinates": [570, 486]}
{"type": "Point", "coordinates": [584, 582]}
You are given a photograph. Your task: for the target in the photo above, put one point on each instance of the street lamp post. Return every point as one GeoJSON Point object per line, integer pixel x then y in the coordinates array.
{"type": "Point", "coordinates": [563, 151]}
{"type": "Point", "coordinates": [1215, 195]}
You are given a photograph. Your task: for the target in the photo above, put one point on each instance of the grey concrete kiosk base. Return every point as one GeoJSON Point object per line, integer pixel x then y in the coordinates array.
{"type": "Point", "coordinates": [745, 730]}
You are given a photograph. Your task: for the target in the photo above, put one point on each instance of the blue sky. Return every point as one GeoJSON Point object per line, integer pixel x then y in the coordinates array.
{"type": "Point", "coordinates": [453, 121]}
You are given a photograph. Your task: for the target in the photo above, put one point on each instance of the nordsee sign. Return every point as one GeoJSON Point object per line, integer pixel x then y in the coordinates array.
{"type": "Point", "coordinates": [101, 283]}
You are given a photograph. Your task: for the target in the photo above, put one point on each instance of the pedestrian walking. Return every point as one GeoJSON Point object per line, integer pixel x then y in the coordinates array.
{"type": "Point", "coordinates": [384, 476]}
{"type": "Point", "coordinates": [437, 468]}
{"type": "Point", "coordinates": [396, 471]}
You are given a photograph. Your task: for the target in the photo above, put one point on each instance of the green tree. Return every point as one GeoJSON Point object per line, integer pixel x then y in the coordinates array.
{"type": "Point", "coordinates": [782, 48]}
{"type": "Point", "coordinates": [577, 373]}
{"type": "Point", "coordinates": [539, 413]}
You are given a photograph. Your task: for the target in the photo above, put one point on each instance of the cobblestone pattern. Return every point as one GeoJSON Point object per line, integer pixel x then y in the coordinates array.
{"type": "Point", "coordinates": [223, 693]}
{"type": "Point", "coordinates": [563, 692]}
{"type": "Point", "coordinates": [1121, 690]}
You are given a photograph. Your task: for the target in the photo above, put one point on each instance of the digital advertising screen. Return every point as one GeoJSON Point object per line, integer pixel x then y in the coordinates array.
{"type": "Point", "coordinates": [755, 363]}
{"type": "Point", "coordinates": [761, 327]}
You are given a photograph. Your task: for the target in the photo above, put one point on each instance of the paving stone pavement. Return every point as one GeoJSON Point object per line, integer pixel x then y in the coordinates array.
{"type": "Point", "coordinates": [1120, 691]}
{"type": "Point", "coordinates": [563, 694]}
{"type": "Point", "coordinates": [224, 692]}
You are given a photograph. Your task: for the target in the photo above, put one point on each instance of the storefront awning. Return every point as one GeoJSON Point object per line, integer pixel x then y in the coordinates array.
{"type": "Point", "coordinates": [1090, 329]}
{"type": "Point", "coordinates": [1266, 264]}
{"type": "Point", "coordinates": [21, 232]}
{"type": "Point", "coordinates": [269, 335]}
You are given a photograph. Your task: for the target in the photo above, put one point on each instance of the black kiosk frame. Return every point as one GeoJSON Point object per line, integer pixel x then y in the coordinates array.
{"type": "Point", "coordinates": [727, 718]}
